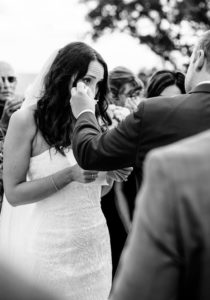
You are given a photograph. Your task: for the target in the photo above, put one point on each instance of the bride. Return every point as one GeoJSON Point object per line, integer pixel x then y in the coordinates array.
{"type": "Point", "coordinates": [52, 227]}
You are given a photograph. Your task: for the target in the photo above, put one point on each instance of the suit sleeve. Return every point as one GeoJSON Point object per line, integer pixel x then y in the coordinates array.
{"type": "Point", "coordinates": [149, 264]}
{"type": "Point", "coordinates": [113, 149]}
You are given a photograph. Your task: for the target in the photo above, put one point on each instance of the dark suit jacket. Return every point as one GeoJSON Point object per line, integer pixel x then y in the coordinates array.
{"type": "Point", "coordinates": [157, 122]}
{"type": "Point", "coordinates": [167, 255]}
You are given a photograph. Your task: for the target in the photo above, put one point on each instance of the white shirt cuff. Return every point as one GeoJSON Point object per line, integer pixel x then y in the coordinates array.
{"type": "Point", "coordinates": [85, 110]}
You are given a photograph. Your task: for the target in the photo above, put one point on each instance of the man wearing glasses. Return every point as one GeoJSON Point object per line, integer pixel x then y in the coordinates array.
{"type": "Point", "coordinates": [9, 102]}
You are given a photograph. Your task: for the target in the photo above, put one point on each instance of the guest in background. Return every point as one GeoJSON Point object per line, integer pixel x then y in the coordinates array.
{"type": "Point", "coordinates": [9, 101]}
{"type": "Point", "coordinates": [126, 88]}
{"type": "Point", "coordinates": [165, 83]}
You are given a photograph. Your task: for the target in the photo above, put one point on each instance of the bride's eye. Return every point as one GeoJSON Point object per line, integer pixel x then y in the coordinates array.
{"type": "Point", "coordinates": [86, 80]}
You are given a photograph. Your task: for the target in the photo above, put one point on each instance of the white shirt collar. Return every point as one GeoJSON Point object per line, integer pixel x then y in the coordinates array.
{"type": "Point", "coordinates": [203, 82]}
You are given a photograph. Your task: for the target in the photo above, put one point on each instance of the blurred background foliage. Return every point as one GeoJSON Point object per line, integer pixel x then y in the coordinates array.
{"type": "Point", "coordinates": [166, 26]}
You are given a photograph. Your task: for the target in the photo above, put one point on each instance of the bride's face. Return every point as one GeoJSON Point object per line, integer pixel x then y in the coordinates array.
{"type": "Point", "coordinates": [93, 77]}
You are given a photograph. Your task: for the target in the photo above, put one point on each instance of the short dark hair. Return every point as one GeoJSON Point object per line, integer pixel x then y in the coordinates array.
{"type": "Point", "coordinates": [162, 79]}
{"type": "Point", "coordinates": [119, 76]}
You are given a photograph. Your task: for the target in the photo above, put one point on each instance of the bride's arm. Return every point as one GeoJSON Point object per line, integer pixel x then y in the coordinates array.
{"type": "Point", "coordinates": [17, 153]}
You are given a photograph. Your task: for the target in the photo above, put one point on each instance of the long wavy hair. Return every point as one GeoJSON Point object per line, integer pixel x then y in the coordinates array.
{"type": "Point", "coordinates": [53, 115]}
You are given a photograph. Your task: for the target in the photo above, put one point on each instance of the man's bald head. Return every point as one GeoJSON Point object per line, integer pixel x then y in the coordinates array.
{"type": "Point", "coordinates": [8, 81]}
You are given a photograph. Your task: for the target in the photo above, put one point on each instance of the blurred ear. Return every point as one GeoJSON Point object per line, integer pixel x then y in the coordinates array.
{"type": "Point", "coordinates": [200, 60]}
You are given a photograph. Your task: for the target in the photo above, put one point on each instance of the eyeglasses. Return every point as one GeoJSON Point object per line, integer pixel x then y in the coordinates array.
{"type": "Point", "coordinates": [10, 79]}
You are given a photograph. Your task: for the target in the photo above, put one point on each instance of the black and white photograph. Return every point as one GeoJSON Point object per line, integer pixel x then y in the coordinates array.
{"type": "Point", "coordinates": [104, 150]}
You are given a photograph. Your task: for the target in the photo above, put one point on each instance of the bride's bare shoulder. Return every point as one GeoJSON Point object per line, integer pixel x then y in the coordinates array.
{"type": "Point", "coordinates": [23, 119]}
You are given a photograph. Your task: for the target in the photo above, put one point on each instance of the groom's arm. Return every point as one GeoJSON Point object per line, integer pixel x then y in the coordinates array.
{"type": "Point", "coordinates": [114, 149]}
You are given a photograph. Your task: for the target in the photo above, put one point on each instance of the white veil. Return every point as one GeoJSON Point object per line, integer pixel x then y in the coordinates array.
{"type": "Point", "coordinates": [35, 90]}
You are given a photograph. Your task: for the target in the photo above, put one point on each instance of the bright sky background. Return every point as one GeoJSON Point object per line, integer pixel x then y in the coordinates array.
{"type": "Point", "coordinates": [31, 30]}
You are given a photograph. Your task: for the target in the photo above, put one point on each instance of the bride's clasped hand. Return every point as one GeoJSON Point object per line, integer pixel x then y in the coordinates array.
{"type": "Point", "coordinates": [83, 176]}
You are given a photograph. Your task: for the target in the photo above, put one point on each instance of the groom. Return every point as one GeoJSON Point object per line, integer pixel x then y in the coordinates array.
{"type": "Point", "coordinates": [157, 122]}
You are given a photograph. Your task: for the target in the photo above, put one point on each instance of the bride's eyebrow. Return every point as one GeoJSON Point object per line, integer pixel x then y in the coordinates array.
{"type": "Point", "coordinates": [89, 75]}
{"type": "Point", "coordinates": [94, 77]}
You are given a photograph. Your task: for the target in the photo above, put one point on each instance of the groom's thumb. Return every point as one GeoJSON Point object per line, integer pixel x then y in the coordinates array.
{"type": "Point", "coordinates": [73, 91]}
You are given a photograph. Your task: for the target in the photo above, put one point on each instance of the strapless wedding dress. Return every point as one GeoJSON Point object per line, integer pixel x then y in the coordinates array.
{"type": "Point", "coordinates": [63, 240]}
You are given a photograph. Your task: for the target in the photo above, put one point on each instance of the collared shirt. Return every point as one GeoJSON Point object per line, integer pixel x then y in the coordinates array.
{"type": "Point", "coordinates": [85, 110]}
{"type": "Point", "coordinates": [204, 82]}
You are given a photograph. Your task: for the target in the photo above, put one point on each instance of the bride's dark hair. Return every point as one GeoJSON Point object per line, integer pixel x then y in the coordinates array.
{"type": "Point", "coordinates": [53, 115]}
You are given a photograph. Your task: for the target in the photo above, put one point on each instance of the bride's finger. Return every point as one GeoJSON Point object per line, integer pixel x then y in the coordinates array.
{"type": "Point", "coordinates": [86, 172]}
{"type": "Point", "coordinates": [91, 177]}
{"type": "Point", "coordinates": [128, 169]}
{"type": "Point", "coordinates": [121, 177]}
{"type": "Point", "coordinates": [121, 173]}
{"type": "Point", "coordinates": [125, 170]}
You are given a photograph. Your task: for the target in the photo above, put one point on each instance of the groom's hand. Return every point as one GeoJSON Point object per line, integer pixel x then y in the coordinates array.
{"type": "Point", "coordinates": [81, 100]}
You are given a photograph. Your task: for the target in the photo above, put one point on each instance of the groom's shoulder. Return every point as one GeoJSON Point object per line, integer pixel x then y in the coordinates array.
{"type": "Point", "coordinates": [157, 107]}
{"type": "Point", "coordinates": [163, 102]}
